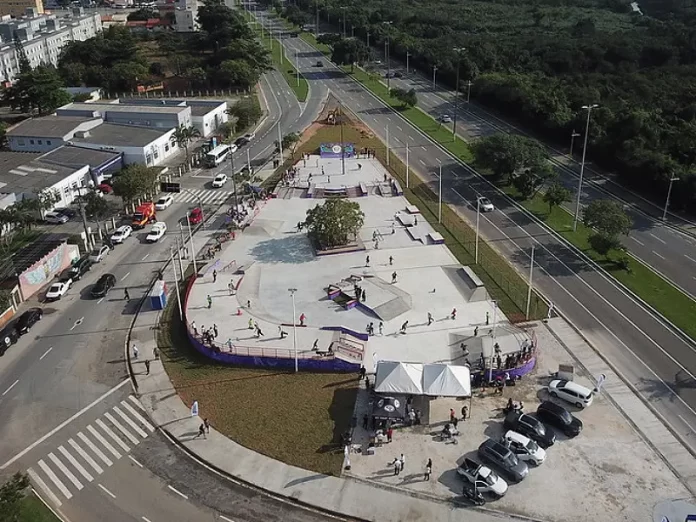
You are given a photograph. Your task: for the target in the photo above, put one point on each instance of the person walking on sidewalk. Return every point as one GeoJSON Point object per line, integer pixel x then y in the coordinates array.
{"type": "Point", "coordinates": [302, 319]}
{"type": "Point", "coordinates": [135, 351]}
{"type": "Point", "coordinates": [201, 432]}
{"type": "Point", "coordinates": [126, 295]}
{"type": "Point", "coordinates": [147, 366]}
{"type": "Point", "coordinates": [397, 466]}
{"type": "Point", "coordinates": [194, 328]}
{"type": "Point", "coordinates": [206, 424]}
{"type": "Point", "coordinates": [402, 459]}
{"type": "Point", "coordinates": [430, 318]}
{"type": "Point", "coordinates": [210, 301]}
{"type": "Point", "coordinates": [428, 469]}
{"type": "Point", "coordinates": [214, 276]}
{"type": "Point", "coordinates": [215, 331]}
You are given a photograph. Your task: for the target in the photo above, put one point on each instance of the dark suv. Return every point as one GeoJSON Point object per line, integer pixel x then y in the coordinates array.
{"type": "Point", "coordinates": [27, 320]}
{"type": "Point", "coordinates": [530, 427]}
{"type": "Point", "coordinates": [499, 455]}
{"type": "Point", "coordinates": [8, 336]}
{"type": "Point", "coordinates": [558, 417]}
{"type": "Point", "coordinates": [80, 268]}
{"type": "Point", "coordinates": [103, 285]}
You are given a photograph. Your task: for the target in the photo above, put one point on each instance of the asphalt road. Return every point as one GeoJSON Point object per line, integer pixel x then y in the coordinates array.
{"type": "Point", "coordinates": [61, 381]}
{"type": "Point", "coordinates": [658, 362]}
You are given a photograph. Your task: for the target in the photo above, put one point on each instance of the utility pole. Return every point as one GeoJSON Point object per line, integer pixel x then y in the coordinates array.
{"type": "Point", "coordinates": [297, 70]}
{"type": "Point", "coordinates": [573, 135]}
{"type": "Point", "coordinates": [386, 55]}
{"type": "Point", "coordinates": [669, 194]}
{"type": "Point", "coordinates": [294, 326]}
{"type": "Point", "coordinates": [439, 196]}
{"type": "Point", "coordinates": [343, 8]}
{"type": "Point", "coordinates": [468, 91]}
{"type": "Point", "coordinates": [316, 23]}
{"type": "Point", "coordinates": [408, 55]}
{"type": "Point", "coordinates": [343, 145]}
{"type": "Point", "coordinates": [529, 289]}
{"type": "Point", "coordinates": [407, 167]}
{"type": "Point", "coordinates": [434, 72]}
{"type": "Point", "coordinates": [387, 145]}
{"type": "Point", "coordinates": [369, 51]}
{"type": "Point", "coordinates": [457, 50]}
{"type": "Point", "coordinates": [88, 238]}
{"type": "Point", "coordinates": [582, 165]}
{"type": "Point", "coordinates": [176, 283]}
{"type": "Point", "coordinates": [478, 216]}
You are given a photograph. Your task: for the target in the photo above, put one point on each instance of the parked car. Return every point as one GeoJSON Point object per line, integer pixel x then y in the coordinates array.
{"type": "Point", "coordinates": [55, 217]}
{"type": "Point", "coordinates": [67, 212]}
{"type": "Point", "coordinates": [164, 202]}
{"type": "Point", "coordinates": [250, 136]}
{"type": "Point", "coordinates": [99, 253]}
{"type": "Point", "coordinates": [59, 289]}
{"type": "Point", "coordinates": [530, 427]}
{"type": "Point", "coordinates": [499, 455]}
{"type": "Point", "coordinates": [558, 417]}
{"type": "Point", "coordinates": [233, 148]}
{"type": "Point", "coordinates": [219, 180]}
{"type": "Point", "coordinates": [105, 188]}
{"type": "Point", "coordinates": [445, 118]}
{"type": "Point", "coordinates": [121, 234]}
{"type": "Point", "coordinates": [320, 63]}
{"type": "Point", "coordinates": [571, 392]}
{"type": "Point", "coordinates": [241, 141]}
{"type": "Point", "coordinates": [80, 267]}
{"type": "Point", "coordinates": [27, 320]}
{"type": "Point", "coordinates": [483, 477]}
{"type": "Point", "coordinates": [525, 448]}
{"type": "Point", "coordinates": [8, 337]}
{"type": "Point", "coordinates": [103, 285]}
{"type": "Point", "coordinates": [485, 204]}
{"type": "Point", "coordinates": [195, 216]}
{"type": "Point", "coordinates": [156, 232]}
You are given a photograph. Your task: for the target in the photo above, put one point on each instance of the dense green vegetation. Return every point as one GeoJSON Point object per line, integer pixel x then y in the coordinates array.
{"type": "Point", "coordinates": [541, 61]}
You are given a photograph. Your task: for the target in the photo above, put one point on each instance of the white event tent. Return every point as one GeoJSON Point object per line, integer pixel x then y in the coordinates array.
{"type": "Point", "coordinates": [445, 380]}
{"type": "Point", "coordinates": [435, 380]}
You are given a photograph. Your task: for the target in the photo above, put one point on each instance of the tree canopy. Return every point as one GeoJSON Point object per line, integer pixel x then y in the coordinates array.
{"type": "Point", "coordinates": [540, 62]}
{"type": "Point", "coordinates": [40, 90]}
{"type": "Point", "coordinates": [11, 494]}
{"type": "Point", "coordinates": [335, 223]}
{"type": "Point", "coordinates": [135, 182]}
{"type": "Point", "coordinates": [506, 155]}
{"type": "Point", "coordinates": [609, 220]}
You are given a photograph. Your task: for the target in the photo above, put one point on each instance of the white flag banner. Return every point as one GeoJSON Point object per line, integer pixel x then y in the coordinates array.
{"type": "Point", "coordinates": [194, 409]}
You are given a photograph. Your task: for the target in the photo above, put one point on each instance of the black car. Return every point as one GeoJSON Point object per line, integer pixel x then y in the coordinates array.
{"type": "Point", "coordinates": [8, 336]}
{"type": "Point", "coordinates": [530, 427]}
{"type": "Point", "coordinates": [67, 212]}
{"type": "Point", "coordinates": [241, 141]}
{"type": "Point", "coordinates": [80, 267]}
{"type": "Point", "coordinates": [27, 320]}
{"type": "Point", "coordinates": [503, 458]}
{"type": "Point", "coordinates": [558, 417]}
{"type": "Point", "coordinates": [320, 64]}
{"type": "Point", "coordinates": [103, 285]}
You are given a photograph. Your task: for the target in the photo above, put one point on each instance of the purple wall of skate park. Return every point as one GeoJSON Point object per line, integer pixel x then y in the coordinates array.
{"type": "Point", "coordinates": [332, 365]}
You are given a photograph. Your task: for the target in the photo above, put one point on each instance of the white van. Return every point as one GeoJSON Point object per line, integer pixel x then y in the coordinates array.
{"type": "Point", "coordinates": [55, 217]}
{"type": "Point", "coordinates": [571, 392]}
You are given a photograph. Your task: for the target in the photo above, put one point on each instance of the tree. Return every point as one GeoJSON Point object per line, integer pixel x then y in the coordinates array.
{"type": "Point", "coordinates": [247, 112]}
{"type": "Point", "coordinates": [556, 195]}
{"type": "Point", "coordinates": [183, 136]}
{"type": "Point", "coordinates": [531, 179]}
{"type": "Point", "coordinates": [95, 206]}
{"type": "Point", "coordinates": [290, 141]}
{"type": "Point", "coordinates": [237, 73]}
{"type": "Point", "coordinates": [11, 494]}
{"type": "Point", "coordinates": [40, 90]}
{"type": "Point", "coordinates": [505, 154]}
{"type": "Point", "coordinates": [408, 98]}
{"type": "Point", "coordinates": [135, 182]}
{"type": "Point", "coordinates": [609, 220]}
{"type": "Point", "coordinates": [220, 25]}
{"type": "Point", "coordinates": [335, 223]}
{"type": "Point", "coordinates": [348, 51]}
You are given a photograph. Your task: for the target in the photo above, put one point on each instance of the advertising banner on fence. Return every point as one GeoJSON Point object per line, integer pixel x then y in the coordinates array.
{"type": "Point", "coordinates": [333, 150]}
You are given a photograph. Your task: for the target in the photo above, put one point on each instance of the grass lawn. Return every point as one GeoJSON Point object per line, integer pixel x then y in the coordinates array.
{"type": "Point", "coordinates": [33, 510]}
{"type": "Point", "coordinates": [646, 284]}
{"type": "Point", "coordinates": [297, 419]}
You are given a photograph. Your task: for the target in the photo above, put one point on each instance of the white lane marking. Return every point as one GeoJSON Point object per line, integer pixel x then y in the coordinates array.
{"type": "Point", "coordinates": [106, 460]}
{"type": "Point", "coordinates": [145, 257]}
{"type": "Point", "coordinates": [397, 140]}
{"type": "Point", "coordinates": [63, 424]}
{"type": "Point", "coordinates": [639, 242]}
{"type": "Point", "coordinates": [130, 422]}
{"type": "Point", "coordinates": [72, 478]}
{"type": "Point", "coordinates": [39, 482]}
{"type": "Point", "coordinates": [103, 441]}
{"type": "Point", "coordinates": [135, 401]}
{"type": "Point", "coordinates": [145, 519]}
{"type": "Point", "coordinates": [99, 302]}
{"type": "Point", "coordinates": [107, 491]}
{"type": "Point", "coordinates": [690, 258]}
{"type": "Point", "coordinates": [77, 323]}
{"type": "Point", "coordinates": [96, 467]}
{"type": "Point", "coordinates": [177, 492]}
{"type": "Point", "coordinates": [113, 436]}
{"type": "Point", "coordinates": [402, 130]}
{"type": "Point", "coordinates": [46, 353]}
{"type": "Point", "coordinates": [659, 239]}
{"type": "Point", "coordinates": [138, 463]}
{"type": "Point", "coordinates": [76, 464]}
{"type": "Point", "coordinates": [689, 425]}
{"type": "Point", "coordinates": [121, 428]}
{"type": "Point", "coordinates": [124, 277]}
{"type": "Point", "coordinates": [422, 162]}
{"type": "Point", "coordinates": [658, 255]}
{"type": "Point", "coordinates": [422, 147]}
{"type": "Point", "coordinates": [49, 473]}
{"type": "Point", "coordinates": [223, 517]}
{"type": "Point", "coordinates": [410, 137]}
{"type": "Point", "coordinates": [135, 414]}
{"type": "Point", "coordinates": [11, 386]}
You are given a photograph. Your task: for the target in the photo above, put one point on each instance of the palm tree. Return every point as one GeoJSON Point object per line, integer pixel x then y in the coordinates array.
{"type": "Point", "coordinates": [183, 136]}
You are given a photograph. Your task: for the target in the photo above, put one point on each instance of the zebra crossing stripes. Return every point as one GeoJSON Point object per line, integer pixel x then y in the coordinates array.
{"type": "Point", "coordinates": [65, 471]}
{"type": "Point", "coordinates": [202, 196]}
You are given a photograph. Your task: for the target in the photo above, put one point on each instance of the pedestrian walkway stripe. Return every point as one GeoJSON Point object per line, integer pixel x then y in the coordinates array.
{"type": "Point", "coordinates": [72, 460]}
{"type": "Point", "coordinates": [120, 427]}
{"type": "Point", "coordinates": [103, 441]}
{"type": "Point", "coordinates": [42, 485]}
{"type": "Point", "coordinates": [135, 401]}
{"type": "Point", "coordinates": [138, 416]}
{"type": "Point", "coordinates": [49, 473]}
{"type": "Point", "coordinates": [94, 449]}
{"type": "Point", "coordinates": [72, 478]}
{"type": "Point", "coordinates": [130, 422]}
{"type": "Point", "coordinates": [113, 436]}
{"type": "Point", "coordinates": [89, 460]}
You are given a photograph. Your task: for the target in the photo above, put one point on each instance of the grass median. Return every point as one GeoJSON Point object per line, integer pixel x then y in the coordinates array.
{"type": "Point", "coordinates": [31, 509]}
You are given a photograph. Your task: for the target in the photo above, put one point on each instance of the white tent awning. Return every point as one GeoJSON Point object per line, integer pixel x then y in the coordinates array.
{"type": "Point", "coordinates": [444, 380]}
{"type": "Point", "coordinates": [400, 378]}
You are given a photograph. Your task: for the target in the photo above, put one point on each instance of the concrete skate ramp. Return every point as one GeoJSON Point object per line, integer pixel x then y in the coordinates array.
{"type": "Point", "coordinates": [392, 309]}
{"type": "Point", "coordinates": [467, 282]}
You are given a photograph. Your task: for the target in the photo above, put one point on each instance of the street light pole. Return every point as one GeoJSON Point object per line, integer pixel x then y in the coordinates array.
{"type": "Point", "coordinates": [457, 50]}
{"type": "Point", "coordinates": [316, 23]}
{"type": "Point", "coordinates": [386, 55]}
{"type": "Point", "coordinates": [387, 145]}
{"type": "Point", "coordinates": [468, 91]}
{"type": "Point", "coordinates": [407, 167]}
{"type": "Point", "coordinates": [280, 143]}
{"type": "Point", "coordinates": [434, 72]}
{"type": "Point", "coordinates": [343, 8]}
{"type": "Point", "coordinates": [408, 55]}
{"type": "Point", "coordinates": [369, 53]}
{"type": "Point", "coordinates": [294, 326]}
{"type": "Point", "coordinates": [573, 135]}
{"type": "Point", "coordinates": [297, 70]}
{"type": "Point", "coordinates": [669, 194]}
{"type": "Point", "coordinates": [176, 283]}
{"type": "Point", "coordinates": [439, 196]}
{"type": "Point", "coordinates": [529, 290]}
{"type": "Point", "coordinates": [193, 250]}
{"type": "Point", "coordinates": [478, 215]}
{"type": "Point", "coordinates": [582, 165]}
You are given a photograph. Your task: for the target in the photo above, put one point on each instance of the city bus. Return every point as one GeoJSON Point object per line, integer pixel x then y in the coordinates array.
{"type": "Point", "coordinates": [217, 155]}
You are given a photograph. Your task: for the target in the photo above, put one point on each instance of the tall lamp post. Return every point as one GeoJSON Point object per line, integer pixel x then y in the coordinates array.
{"type": "Point", "coordinates": [386, 55]}
{"type": "Point", "coordinates": [588, 108]}
{"type": "Point", "coordinates": [669, 194]}
{"type": "Point", "coordinates": [408, 55]}
{"type": "Point", "coordinates": [294, 326]}
{"type": "Point", "coordinates": [478, 216]}
{"type": "Point", "coordinates": [344, 8]}
{"type": "Point", "coordinates": [369, 51]}
{"type": "Point", "coordinates": [434, 73]}
{"type": "Point", "coordinates": [573, 135]}
{"type": "Point", "coordinates": [457, 50]}
{"type": "Point", "coordinates": [439, 196]}
{"type": "Point", "coordinates": [468, 91]}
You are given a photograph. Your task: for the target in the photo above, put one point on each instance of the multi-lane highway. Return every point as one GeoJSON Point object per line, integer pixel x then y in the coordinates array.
{"type": "Point", "coordinates": [650, 355]}
{"type": "Point", "coordinates": [68, 416]}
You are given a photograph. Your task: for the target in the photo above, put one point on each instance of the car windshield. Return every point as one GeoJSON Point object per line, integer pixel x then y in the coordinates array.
{"type": "Point", "coordinates": [510, 460]}
{"type": "Point", "coordinates": [532, 446]}
{"type": "Point", "coordinates": [565, 416]}
{"type": "Point", "coordinates": [491, 479]}
{"type": "Point", "coordinates": [161, 201]}
{"type": "Point", "coordinates": [96, 252]}
{"type": "Point", "coordinates": [484, 201]}
{"type": "Point", "coordinates": [55, 288]}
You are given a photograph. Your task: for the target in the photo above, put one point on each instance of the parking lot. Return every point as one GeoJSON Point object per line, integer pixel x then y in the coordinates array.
{"type": "Point", "coordinates": [606, 473]}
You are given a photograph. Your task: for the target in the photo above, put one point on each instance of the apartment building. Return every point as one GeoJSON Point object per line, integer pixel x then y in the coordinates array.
{"type": "Point", "coordinates": [18, 8]}
{"type": "Point", "coordinates": [42, 37]}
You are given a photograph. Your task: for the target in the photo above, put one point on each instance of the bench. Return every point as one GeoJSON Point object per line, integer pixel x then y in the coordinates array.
{"type": "Point", "coordinates": [363, 189]}
{"type": "Point", "coordinates": [437, 238]}
{"type": "Point", "coordinates": [310, 190]}
{"type": "Point", "coordinates": [412, 209]}
{"type": "Point", "coordinates": [396, 188]}
{"type": "Point", "coordinates": [473, 278]}
{"type": "Point", "coordinates": [415, 234]}
{"type": "Point", "coordinates": [407, 220]}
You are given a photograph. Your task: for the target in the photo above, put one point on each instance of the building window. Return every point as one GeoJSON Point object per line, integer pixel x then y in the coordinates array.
{"type": "Point", "coordinates": [48, 142]}
{"type": "Point", "coordinates": [40, 142]}
{"type": "Point", "coordinates": [156, 153]}
{"type": "Point", "coordinates": [66, 192]}
{"type": "Point", "coordinates": [31, 142]}
{"type": "Point", "coordinates": [20, 141]}
{"type": "Point", "coordinates": [166, 147]}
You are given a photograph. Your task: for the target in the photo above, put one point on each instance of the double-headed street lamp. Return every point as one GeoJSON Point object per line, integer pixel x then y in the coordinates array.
{"type": "Point", "coordinates": [588, 108]}
{"type": "Point", "coordinates": [457, 50]}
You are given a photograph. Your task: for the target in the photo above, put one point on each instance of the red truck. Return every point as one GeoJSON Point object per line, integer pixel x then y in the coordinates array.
{"type": "Point", "coordinates": [144, 214]}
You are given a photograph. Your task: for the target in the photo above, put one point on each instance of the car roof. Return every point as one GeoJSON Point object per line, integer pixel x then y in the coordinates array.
{"type": "Point", "coordinates": [573, 386]}
{"type": "Point", "coordinates": [517, 437]}
{"type": "Point", "coordinates": [495, 446]}
{"type": "Point", "coordinates": [168, 196]}
{"type": "Point", "coordinates": [122, 228]}
{"type": "Point", "coordinates": [552, 407]}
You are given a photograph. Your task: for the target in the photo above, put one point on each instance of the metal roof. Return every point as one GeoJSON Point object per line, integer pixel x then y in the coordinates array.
{"type": "Point", "coordinates": [121, 135]}
{"type": "Point", "coordinates": [48, 126]}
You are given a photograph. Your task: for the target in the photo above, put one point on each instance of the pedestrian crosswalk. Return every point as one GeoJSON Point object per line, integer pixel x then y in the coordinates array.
{"type": "Point", "coordinates": [82, 458]}
{"type": "Point", "coordinates": [203, 196]}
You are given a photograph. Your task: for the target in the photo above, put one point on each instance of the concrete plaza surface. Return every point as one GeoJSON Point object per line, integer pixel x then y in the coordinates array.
{"type": "Point", "coordinates": [276, 257]}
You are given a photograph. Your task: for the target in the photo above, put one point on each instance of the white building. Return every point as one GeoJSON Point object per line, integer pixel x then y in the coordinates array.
{"type": "Point", "coordinates": [47, 133]}
{"type": "Point", "coordinates": [186, 16]}
{"type": "Point", "coordinates": [43, 37]}
{"type": "Point", "coordinates": [206, 115]}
